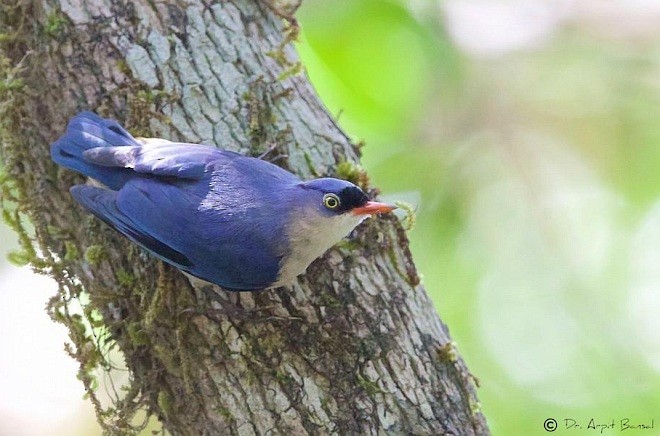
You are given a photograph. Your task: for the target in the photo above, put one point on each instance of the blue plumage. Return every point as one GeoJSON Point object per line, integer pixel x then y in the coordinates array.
{"type": "Point", "coordinates": [222, 217]}
{"type": "Point", "coordinates": [87, 131]}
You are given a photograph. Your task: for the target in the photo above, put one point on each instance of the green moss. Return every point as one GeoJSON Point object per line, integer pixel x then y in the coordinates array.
{"type": "Point", "coordinates": [447, 352]}
{"type": "Point", "coordinates": [54, 231]}
{"type": "Point", "coordinates": [310, 164]}
{"type": "Point", "coordinates": [71, 251]}
{"type": "Point", "coordinates": [369, 386]}
{"type": "Point", "coordinates": [393, 238]}
{"type": "Point", "coordinates": [328, 300]}
{"type": "Point", "coordinates": [347, 171]}
{"type": "Point", "coordinates": [49, 250]}
{"type": "Point", "coordinates": [284, 378]}
{"type": "Point", "coordinates": [93, 317]}
{"type": "Point", "coordinates": [168, 358]}
{"type": "Point", "coordinates": [55, 25]}
{"type": "Point", "coordinates": [270, 344]}
{"type": "Point", "coordinates": [137, 334]}
{"type": "Point", "coordinates": [11, 215]}
{"type": "Point", "coordinates": [11, 82]}
{"type": "Point", "coordinates": [291, 33]}
{"type": "Point", "coordinates": [224, 412]}
{"type": "Point", "coordinates": [294, 70]}
{"type": "Point", "coordinates": [125, 278]}
{"type": "Point", "coordinates": [411, 215]}
{"type": "Point", "coordinates": [391, 254]}
{"type": "Point", "coordinates": [291, 68]}
{"type": "Point", "coordinates": [18, 258]}
{"type": "Point", "coordinates": [86, 351]}
{"type": "Point", "coordinates": [354, 173]}
{"type": "Point", "coordinates": [260, 117]}
{"type": "Point", "coordinates": [278, 55]}
{"type": "Point", "coordinates": [165, 402]}
{"type": "Point", "coordinates": [475, 406]}
{"type": "Point", "coordinates": [349, 244]}
{"type": "Point", "coordinates": [287, 93]}
{"type": "Point", "coordinates": [123, 66]}
{"type": "Point", "coordinates": [95, 254]}
{"type": "Point", "coordinates": [145, 104]}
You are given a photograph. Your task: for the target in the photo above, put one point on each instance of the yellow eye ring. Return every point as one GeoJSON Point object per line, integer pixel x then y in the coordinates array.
{"type": "Point", "coordinates": [331, 201]}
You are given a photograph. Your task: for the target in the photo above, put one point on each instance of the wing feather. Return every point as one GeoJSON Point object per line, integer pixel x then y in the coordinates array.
{"type": "Point", "coordinates": [102, 203]}
{"type": "Point", "coordinates": [213, 245]}
{"type": "Point", "coordinates": [186, 161]}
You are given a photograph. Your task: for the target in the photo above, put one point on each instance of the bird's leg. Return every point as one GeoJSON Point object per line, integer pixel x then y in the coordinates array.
{"type": "Point", "coordinates": [278, 157]}
{"type": "Point", "coordinates": [270, 149]}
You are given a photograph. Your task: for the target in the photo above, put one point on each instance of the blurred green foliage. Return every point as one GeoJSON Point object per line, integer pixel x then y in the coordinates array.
{"type": "Point", "coordinates": [537, 174]}
{"type": "Point", "coordinates": [380, 67]}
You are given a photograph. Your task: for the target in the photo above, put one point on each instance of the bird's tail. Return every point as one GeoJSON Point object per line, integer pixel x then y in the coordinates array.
{"type": "Point", "coordinates": [84, 132]}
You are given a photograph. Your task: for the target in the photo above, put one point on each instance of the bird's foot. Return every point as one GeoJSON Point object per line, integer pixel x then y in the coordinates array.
{"type": "Point", "coordinates": [270, 149]}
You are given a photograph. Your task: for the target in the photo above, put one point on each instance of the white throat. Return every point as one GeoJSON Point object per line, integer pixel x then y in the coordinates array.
{"type": "Point", "coordinates": [310, 236]}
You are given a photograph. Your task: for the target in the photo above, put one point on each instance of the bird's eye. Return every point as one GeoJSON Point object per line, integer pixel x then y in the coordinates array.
{"type": "Point", "coordinates": [331, 201]}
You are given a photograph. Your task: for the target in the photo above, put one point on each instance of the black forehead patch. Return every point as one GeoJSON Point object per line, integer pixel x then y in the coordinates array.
{"type": "Point", "coordinates": [350, 198]}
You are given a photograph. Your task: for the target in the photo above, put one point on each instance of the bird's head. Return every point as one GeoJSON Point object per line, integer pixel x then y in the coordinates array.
{"type": "Point", "coordinates": [320, 213]}
{"type": "Point", "coordinates": [336, 198]}
{"type": "Point", "coordinates": [329, 209]}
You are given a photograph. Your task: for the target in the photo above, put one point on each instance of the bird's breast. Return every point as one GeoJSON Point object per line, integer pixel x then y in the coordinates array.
{"type": "Point", "coordinates": [311, 235]}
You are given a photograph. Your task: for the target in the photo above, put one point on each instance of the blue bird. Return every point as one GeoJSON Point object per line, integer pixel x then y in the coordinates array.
{"type": "Point", "coordinates": [238, 222]}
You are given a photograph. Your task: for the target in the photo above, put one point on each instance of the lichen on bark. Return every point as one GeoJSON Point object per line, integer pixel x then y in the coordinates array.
{"type": "Point", "coordinates": [353, 347]}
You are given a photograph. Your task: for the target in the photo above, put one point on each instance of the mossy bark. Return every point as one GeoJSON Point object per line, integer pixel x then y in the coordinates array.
{"type": "Point", "coordinates": [354, 347]}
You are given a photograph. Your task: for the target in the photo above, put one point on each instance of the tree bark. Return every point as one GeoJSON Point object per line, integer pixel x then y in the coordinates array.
{"type": "Point", "coordinates": [355, 346]}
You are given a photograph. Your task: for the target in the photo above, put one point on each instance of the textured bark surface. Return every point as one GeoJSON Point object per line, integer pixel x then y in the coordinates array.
{"type": "Point", "coordinates": [354, 347]}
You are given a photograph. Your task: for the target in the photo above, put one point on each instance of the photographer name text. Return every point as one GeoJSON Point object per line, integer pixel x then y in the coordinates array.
{"type": "Point", "coordinates": [624, 424]}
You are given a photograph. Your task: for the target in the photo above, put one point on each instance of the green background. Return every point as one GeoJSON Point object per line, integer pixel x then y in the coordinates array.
{"type": "Point", "coordinates": [536, 173]}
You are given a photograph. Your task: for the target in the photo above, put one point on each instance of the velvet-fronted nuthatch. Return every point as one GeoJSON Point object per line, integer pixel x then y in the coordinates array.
{"type": "Point", "coordinates": [236, 221]}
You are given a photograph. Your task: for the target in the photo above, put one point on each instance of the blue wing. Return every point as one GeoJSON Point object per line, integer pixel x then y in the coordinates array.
{"type": "Point", "coordinates": [85, 131]}
{"type": "Point", "coordinates": [103, 150]}
{"type": "Point", "coordinates": [215, 246]}
{"type": "Point", "coordinates": [207, 211]}
{"type": "Point", "coordinates": [103, 204]}
{"type": "Point", "coordinates": [170, 159]}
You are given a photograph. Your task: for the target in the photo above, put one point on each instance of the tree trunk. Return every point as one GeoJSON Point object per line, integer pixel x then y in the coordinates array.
{"type": "Point", "coordinates": [354, 346]}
